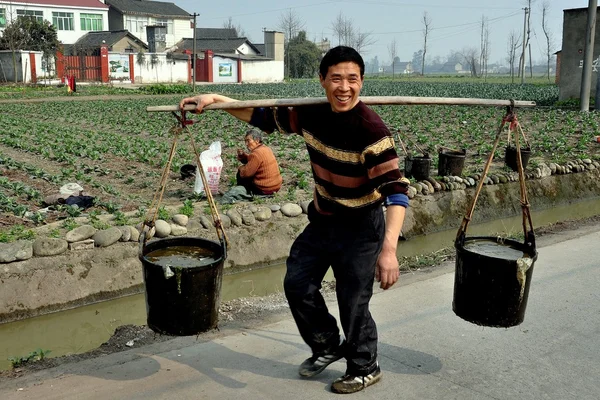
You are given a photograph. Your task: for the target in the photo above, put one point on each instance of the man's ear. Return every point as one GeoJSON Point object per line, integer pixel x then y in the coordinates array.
{"type": "Point", "coordinates": [322, 80]}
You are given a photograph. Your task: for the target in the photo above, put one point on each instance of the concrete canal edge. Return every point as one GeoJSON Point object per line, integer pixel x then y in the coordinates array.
{"type": "Point", "coordinates": [42, 285]}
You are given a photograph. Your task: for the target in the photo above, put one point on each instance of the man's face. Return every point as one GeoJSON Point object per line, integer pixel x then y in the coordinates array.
{"type": "Point", "coordinates": [342, 85]}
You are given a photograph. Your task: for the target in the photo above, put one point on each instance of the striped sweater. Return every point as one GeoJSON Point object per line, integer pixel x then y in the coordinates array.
{"type": "Point", "coordinates": [262, 167]}
{"type": "Point", "coordinates": [352, 154]}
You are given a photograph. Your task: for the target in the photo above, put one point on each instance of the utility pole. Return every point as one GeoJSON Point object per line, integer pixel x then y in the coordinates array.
{"type": "Point", "coordinates": [194, 59]}
{"type": "Point", "coordinates": [524, 46]}
{"type": "Point", "coordinates": [588, 56]}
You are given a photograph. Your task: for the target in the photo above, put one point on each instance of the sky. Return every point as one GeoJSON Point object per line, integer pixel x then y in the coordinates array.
{"type": "Point", "coordinates": [455, 24]}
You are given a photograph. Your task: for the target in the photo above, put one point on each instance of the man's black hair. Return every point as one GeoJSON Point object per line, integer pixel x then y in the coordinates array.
{"type": "Point", "coordinates": [338, 55]}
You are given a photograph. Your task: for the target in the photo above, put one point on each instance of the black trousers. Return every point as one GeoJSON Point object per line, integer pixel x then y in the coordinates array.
{"type": "Point", "coordinates": [351, 246]}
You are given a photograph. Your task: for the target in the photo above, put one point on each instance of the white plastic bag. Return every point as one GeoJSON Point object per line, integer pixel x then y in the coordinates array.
{"type": "Point", "coordinates": [212, 165]}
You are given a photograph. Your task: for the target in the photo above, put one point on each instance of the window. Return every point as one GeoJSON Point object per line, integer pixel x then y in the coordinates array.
{"type": "Point", "coordinates": [63, 21]}
{"type": "Point", "coordinates": [91, 22]}
{"type": "Point", "coordinates": [136, 24]}
{"type": "Point", "coordinates": [2, 17]}
{"type": "Point", "coordinates": [165, 22]}
{"type": "Point", "coordinates": [38, 15]}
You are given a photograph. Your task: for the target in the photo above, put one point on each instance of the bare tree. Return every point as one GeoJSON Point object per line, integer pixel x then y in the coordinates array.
{"type": "Point", "coordinates": [393, 51]}
{"type": "Point", "coordinates": [513, 45]}
{"type": "Point", "coordinates": [484, 46]}
{"type": "Point", "coordinates": [486, 51]}
{"type": "Point", "coordinates": [548, 34]}
{"type": "Point", "coordinates": [470, 57]}
{"type": "Point", "coordinates": [237, 28]}
{"type": "Point", "coordinates": [426, 30]}
{"type": "Point", "coordinates": [526, 37]}
{"type": "Point", "coordinates": [362, 40]}
{"type": "Point", "coordinates": [291, 24]}
{"type": "Point", "coordinates": [338, 26]}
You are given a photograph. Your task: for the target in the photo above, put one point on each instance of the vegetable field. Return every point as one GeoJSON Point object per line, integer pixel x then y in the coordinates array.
{"type": "Point", "coordinates": [116, 151]}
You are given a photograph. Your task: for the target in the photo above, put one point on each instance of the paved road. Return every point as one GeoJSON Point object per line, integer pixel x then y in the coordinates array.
{"type": "Point", "coordinates": [426, 352]}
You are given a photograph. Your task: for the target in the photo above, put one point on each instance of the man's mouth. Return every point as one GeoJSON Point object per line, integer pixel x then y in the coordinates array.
{"type": "Point", "coordinates": [342, 99]}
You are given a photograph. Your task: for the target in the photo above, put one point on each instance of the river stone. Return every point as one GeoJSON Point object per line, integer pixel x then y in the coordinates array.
{"type": "Point", "coordinates": [253, 208]}
{"type": "Point", "coordinates": [472, 181]}
{"type": "Point", "coordinates": [411, 192]}
{"type": "Point", "coordinates": [552, 168]}
{"type": "Point", "coordinates": [178, 230]}
{"type": "Point", "coordinates": [275, 207]}
{"type": "Point", "coordinates": [206, 222]}
{"type": "Point", "coordinates": [248, 217]}
{"type": "Point", "coordinates": [443, 186]}
{"type": "Point", "coordinates": [16, 251]}
{"type": "Point", "coordinates": [46, 246]}
{"type": "Point", "coordinates": [503, 178]}
{"type": "Point", "coordinates": [291, 210]}
{"type": "Point", "coordinates": [596, 164]}
{"type": "Point", "coordinates": [546, 171]}
{"type": "Point", "coordinates": [427, 185]}
{"type": "Point", "coordinates": [425, 190]}
{"type": "Point", "coordinates": [107, 237]}
{"type": "Point", "coordinates": [495, 179]}
{"type": "Point", "coordinates": [304, 205]}
{"type": "Point", "coordinates": [235, 216]}
{"type": "Point", "coordinates": [591, 167]}
{"type": "Point", "coordinates": [436, 185]}
{"type": "Point", "coordinates": [263, 214]}
{"type": "Point", "coordinates": [163, 228]}
{"type": "Point", "coordinates": [225, 221]}
{"type": "Point", "coordinates": [135, 234]}
{"type": "Point", "coordinates": [125, 233]}
{"type": "Point", "coordinates": [181, 219]}
{"type": "Point", "coordinates": [418, 186]}
{"type": "Point", "coordinates": [80, 233]}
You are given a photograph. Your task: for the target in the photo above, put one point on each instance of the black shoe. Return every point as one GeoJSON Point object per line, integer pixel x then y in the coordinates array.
{"type": "Point", "coordinates": [318, 362]}
{"type": "Point", "coordinates": [352, 384]}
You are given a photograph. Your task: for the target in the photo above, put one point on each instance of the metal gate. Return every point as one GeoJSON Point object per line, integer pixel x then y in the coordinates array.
{"type": "Point", "coordinates": [83, 68]}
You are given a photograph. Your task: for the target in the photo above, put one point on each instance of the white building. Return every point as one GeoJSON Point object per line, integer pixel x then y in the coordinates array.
{"type": "Point", "coordinates": [136, 15]}
{"type": "Point", "coordinates": [72, 18]}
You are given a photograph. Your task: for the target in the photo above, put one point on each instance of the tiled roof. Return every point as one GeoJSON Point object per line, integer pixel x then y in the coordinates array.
{"type": "Point", "coordinates": [216, 45]}
{"type": "Point", "coordinates": [144, 7]}
{"type": "Point", "coordinates": [63, 3]}
{"type": "Point", "coordinates": [215, 33]}
{"type": "Point", "coordinates": [95, 39]}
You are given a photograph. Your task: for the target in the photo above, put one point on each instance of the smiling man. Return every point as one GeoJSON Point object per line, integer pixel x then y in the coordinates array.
{"type": "Point", "coordinates": [355, 169]}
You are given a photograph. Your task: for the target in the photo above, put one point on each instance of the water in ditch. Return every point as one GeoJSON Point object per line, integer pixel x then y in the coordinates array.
{"type": "Point", "coordinates": [85, 328]}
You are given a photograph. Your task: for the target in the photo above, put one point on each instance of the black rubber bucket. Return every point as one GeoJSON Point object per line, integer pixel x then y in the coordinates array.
{"type": "Point", "coordinates": [492, 280]}
{"type": "Point", "coordinates": [417, 167]}
{"type": "Point", "coordinates": [510, 157]}
{"type": "Point", "coordinates": [451, 162]}
{"type": "Point", "coordinates": [183, 301]}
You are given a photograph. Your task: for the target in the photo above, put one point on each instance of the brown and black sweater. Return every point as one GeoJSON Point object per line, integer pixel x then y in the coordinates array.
{"type": "Point", "coordinates": [352, 154]}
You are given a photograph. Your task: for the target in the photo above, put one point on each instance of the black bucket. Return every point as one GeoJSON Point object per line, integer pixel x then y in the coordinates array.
{"type": "Point", "coordinates": [417, 167]}
{"type": "Point", "coordinates": [183, 301]}
{"type": "Point", "coordinates": [451, 162]}
{"type": "Point", "coordinates": [510, 157]}
{"type": "Point", "coordinates": [492, 289]}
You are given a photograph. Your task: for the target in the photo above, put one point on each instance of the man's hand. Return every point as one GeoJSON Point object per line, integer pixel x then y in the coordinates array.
{"type": "Point", "coordinates": [200, 102]}
{"type": "Point", "coordinates": [388, 270]}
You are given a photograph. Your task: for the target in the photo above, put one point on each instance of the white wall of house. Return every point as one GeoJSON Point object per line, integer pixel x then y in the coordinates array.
{"type": "Point", "coordinates": [177, 29]}
{"type": "Point", "coordinates": [164, 71]}
{"type": "Point", "coordinates": [262, 71]}
{"type": "Point", "coordinates": [69, 18]}
{"type": "Point", "coordinates": [225, 70]}
{"type": "Point", "coordinates": [246, 49]}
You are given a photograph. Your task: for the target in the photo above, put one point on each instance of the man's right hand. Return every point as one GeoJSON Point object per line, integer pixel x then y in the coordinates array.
{"type": "Point", "coordinates": [200, 101]}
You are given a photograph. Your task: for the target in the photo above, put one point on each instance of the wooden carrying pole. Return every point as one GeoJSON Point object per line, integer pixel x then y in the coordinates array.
{"type": "Point", "coordinates": [369, 100]}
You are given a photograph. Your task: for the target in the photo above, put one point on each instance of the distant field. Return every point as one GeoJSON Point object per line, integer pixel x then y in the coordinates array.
{"type": "Point", "coordinates": [116, 150]}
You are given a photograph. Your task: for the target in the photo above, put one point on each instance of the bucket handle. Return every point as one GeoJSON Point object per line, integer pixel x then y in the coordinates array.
{"type": "Point", "coordinates": [529, 235]}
